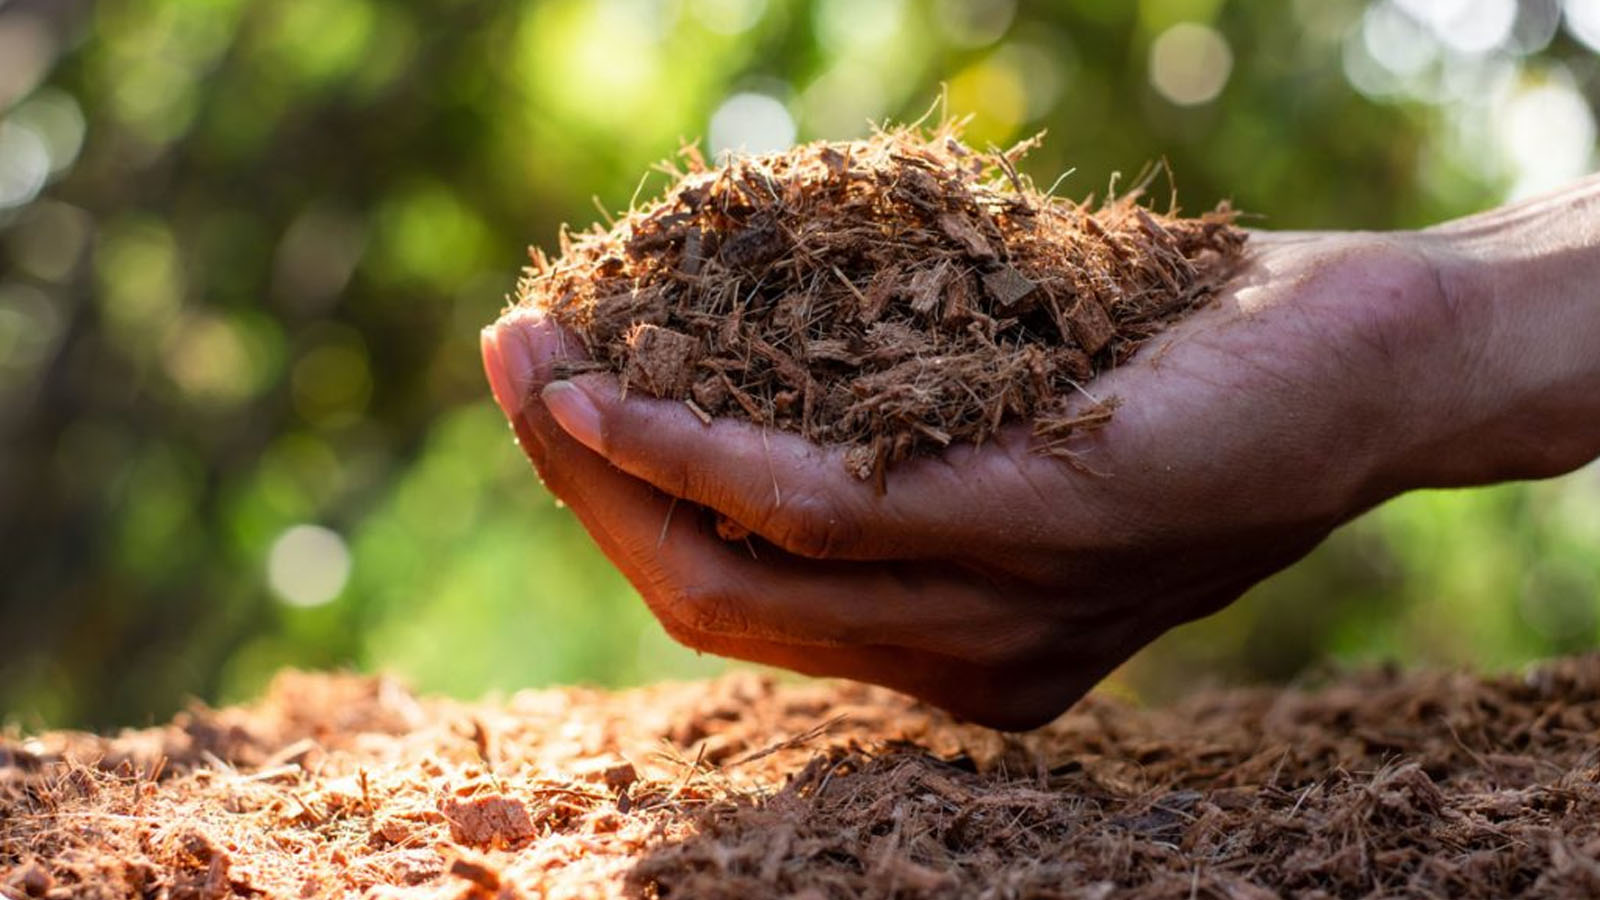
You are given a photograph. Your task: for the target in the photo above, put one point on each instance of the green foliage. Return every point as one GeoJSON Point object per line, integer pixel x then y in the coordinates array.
{"type": "Point", "coordinates": [250, 304]}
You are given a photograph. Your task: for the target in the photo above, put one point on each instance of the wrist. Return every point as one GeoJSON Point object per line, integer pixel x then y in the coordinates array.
{"type": "Point", "coordinates": [1518, 373]}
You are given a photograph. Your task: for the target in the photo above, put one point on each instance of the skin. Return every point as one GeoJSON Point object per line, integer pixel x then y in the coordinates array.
{"type": "Point", "coordinates": [1336, 371]}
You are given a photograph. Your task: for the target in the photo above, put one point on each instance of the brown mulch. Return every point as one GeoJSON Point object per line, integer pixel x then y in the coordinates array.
{"type": "Point", "coordinates": [1379, 784]}
{"type": "Point", "coordinates": [892, 295]}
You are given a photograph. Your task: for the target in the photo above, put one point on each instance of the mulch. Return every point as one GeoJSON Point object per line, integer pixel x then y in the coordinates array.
{"type": "Point", "coordinates": [892, 295]}
{"type": "Point", "coordinates": [1377, 784]}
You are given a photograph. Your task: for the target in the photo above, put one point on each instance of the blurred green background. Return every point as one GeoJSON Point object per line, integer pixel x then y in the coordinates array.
{"type": "Point", "coordinates": [246, 247]}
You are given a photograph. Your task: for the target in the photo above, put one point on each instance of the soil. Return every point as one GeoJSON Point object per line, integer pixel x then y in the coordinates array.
{"type": "Point", "coordinates": [1377, 784]}
{"type": "Point", "coordinates": [892, 295]}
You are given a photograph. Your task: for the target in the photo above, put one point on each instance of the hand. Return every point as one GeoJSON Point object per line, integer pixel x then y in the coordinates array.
{"type": "Point", "coordinates": [993, 581]}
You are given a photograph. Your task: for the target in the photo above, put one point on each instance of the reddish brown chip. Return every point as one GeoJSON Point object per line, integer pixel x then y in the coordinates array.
{"type": "Point", "coordinates": [892, 295]}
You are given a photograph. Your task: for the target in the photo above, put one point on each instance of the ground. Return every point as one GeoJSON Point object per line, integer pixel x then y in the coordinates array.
{"type": "Point", "coordinates": [1375, 784]}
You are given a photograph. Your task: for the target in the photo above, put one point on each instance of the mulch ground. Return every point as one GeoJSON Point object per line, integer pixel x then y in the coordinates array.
{"type": "Point", "coordinates": [1378, 784]}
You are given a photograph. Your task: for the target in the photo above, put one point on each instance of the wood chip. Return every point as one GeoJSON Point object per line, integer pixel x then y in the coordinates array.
{"type": "Point", "coordinates": [1008, 287]}
{"type": "Point", "coordinates": [891, 295]}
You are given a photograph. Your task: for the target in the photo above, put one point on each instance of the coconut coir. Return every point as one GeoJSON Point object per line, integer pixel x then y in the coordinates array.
{"type": "Point", "coordinates": [1427, 784]}
{"type": "Point", "coordinates": [892, 295]}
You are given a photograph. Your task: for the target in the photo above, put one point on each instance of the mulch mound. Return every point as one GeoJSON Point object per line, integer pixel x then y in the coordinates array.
{"type": "Point", "coordinates": [893, 294]}
{"type": "Point", "coordinates": [1380, 784]}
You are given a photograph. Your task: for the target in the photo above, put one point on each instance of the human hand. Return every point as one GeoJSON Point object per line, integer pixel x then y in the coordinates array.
{"type": "Point", "coordinates": [996, 582]}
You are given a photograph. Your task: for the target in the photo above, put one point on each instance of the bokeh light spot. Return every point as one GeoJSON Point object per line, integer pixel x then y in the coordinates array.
{"type": "Point", "coordinates": [1156, 16]}
{"type": "Point", "coordinates": [1323, 20]}
{"type": "Point", "coordinates": [1041, 72]}
{"type": "Point", "coordinates": [29, 327]}
{"type": "Point", "coordinates": [993, 93]}
{"type": "Point", "coordinates": [140, 282]}
{"type": "Point", "coordinates": [728, 17]}
{"type": "Point", "coordinates": [1397, 41]}
{"type": "Point", "coordinates": [1466, 26]}
{"type": "Point", "coordinates": [844, 26]}
{"type": "Point", "coordinates": [1547, 132]}
{"type": "Point", "coordinates": [213, 360]}
{"type": "Point", "coordinates": [751, 123]}
{"type": "Point", "coordinates": [1190, 64]}
{"type": "Point", "coordinates": [320, 40]}
{"type": "Point", "coordinates": [593, 61]}
{"type": "Point", "coordinates": [1536, 25]}
{"type": "Point", "coordinates": [1433, 11]}
{"type": "Point", "coordinates": [308, 565]}
{"type": "Point", "coordinates": [49, 240]}
{"type": "Point", "coordinates": [24, 164]}
{"type": "Point", "coordinates": [1583, 20]}
{"type": "Point", "coordinates": [332, 384]}
{"type": "Point", "coordinates": [155, 97]}
{"type": "Point", "coordinates": [843, 101]}
{"type": "Point", "coordinates": [974, 23]}
{"type": "Point", "coordinates": [27, 49]}
{"type": "Point", "coordinates": [427, 234]}
{"type": "Point", "coordinates": [57, 119]}
{"type": "Point", "coordinates": [315, 258]}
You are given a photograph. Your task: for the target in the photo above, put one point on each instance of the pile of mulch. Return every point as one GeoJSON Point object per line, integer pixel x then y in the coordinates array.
{"type": "Point", "coordinates": [1379, 784]}
{"type": "Point", "coordinates": [893, 294]}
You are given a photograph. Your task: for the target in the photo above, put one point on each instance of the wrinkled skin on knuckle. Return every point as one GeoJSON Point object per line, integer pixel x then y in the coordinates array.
{"type": "Point", "coordinates": [710, 608]}
{"type": "Point", "coordinates": [811, 524]}
{"type": "Point", "coordinates": [697, 641]}
{"type": "Point", "coordinates": [1368, 307]}
{"type": "Point", "coordinates": [1404, 302]}
{"type": "Point", "coordinates": [686, 477]}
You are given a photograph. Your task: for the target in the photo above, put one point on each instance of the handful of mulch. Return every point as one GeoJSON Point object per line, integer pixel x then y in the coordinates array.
{"type": "Point", "coordinates": [893, 295]}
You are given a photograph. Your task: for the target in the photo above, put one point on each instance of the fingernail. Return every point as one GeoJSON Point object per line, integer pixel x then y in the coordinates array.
{"type": "Point", "coordinates": [509, 364]}
{"type": "Point", "coordinates": [574, 412]}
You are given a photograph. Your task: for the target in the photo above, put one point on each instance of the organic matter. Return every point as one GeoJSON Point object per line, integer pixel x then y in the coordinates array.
{"type": "Point", "coordinates": [893, 295]}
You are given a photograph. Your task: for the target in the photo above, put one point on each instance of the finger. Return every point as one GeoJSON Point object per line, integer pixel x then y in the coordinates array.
{"type": "Point", "coordinates": [823, 625]}
{"type": "Point", "coordinates": [967, 503]}
{"type": "Point", "coordinates": [935, 638]}
{"type": "Point", "coordinates": [984, 694]}
{"type": "Point", "coordinates": [518, 354]}
{"type": "Point", "coordinates": [1002, 503]}
{"type": "Point", "coordinates": [736, 587]}
{"type": "Point", "coordinates": [963, 504]}
{"type": "Point", "coordinates": [814, 620]}
{"type": "Point", "coordinates": [672, 555]}
{"type": "Point", "coordinates": [517, 368]}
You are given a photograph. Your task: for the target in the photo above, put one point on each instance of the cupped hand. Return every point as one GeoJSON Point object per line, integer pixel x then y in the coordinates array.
{"type": "Point", "coordinates": [994, 581]}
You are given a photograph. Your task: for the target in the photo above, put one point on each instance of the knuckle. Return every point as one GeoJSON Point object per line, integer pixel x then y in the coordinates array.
{"type": "Point", "coordinates": [813, 525]}
{"type": "Point", "coordinates": [711, 609]}
{"type": "Point", "coordinates": [683, 634]}
{"type": "Point", "coordinates": [695, 614]}
{"type": "Point", "coordinates": [682, 477]}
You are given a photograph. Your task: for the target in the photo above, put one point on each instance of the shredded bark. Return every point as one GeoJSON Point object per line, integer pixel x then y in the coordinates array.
{"type": "Point", "coordinates": [892, 295]}
{"type": "Point", "coordinates": [1379, 784]}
